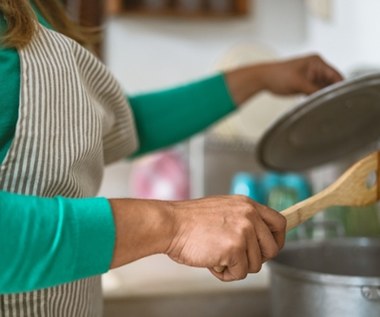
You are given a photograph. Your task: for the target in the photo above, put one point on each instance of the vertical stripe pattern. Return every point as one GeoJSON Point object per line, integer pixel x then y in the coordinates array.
{"type": "Point", "coordinates": [73, 119]}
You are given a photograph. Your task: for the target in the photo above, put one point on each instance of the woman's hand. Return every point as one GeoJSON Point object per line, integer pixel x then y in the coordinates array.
{"type": "Point", "coordinates": [304, 75]}
{"type": "Point", "coordinates": [233, 232]}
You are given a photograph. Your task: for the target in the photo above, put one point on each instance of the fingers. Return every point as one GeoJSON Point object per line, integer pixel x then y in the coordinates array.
{"type": "Point", "coordinates": [236, 267]}
{"type": "Point", "coordinates": [268, 245]}
{"type": "Point", "coordinates": [236, 271]}
{"type": "Point", "coordinates": [320, 74]}
{"type": "Point", "coordinates": [333, 75]}
{"type": "Point", "coordinates": [264, 238]}
{"type": "Point", "coordinates": [255, 251]}
{"type": "Point", "coordinates": [276, 224]}
{"type": "Point", "coordinates": [327, 73]}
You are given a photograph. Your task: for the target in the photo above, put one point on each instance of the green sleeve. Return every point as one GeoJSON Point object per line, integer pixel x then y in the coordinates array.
{"type": "Point", "coordinates": [49, 241]}
{"type": "Point", "coordinates": [166, 117]}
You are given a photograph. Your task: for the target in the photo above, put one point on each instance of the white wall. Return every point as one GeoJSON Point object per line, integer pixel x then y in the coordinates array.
{"type": "Point", "coordinates": [147, 53]}
{"type": "Point", "coordinates": [351, 38]}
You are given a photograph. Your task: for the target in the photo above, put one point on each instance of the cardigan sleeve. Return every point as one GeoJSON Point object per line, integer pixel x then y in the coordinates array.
{"type": "Point", "coordinates": [168, 116]}
{"type": "Point", "coordinates": [50, 241]}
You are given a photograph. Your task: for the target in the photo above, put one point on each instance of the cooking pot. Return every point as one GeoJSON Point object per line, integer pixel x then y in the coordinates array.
{"type": "Point", "coordinates": [337, 277]}
{"type": "Point", "coordinates": [329, 278]}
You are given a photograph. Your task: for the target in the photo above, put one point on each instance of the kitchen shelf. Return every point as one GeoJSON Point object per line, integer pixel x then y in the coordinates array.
{"type": "Point", "coordinates": [179, 8]}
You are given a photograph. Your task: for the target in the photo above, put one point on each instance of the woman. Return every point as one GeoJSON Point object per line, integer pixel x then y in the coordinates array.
{"type": "Point", "coordinates": [63, 117]}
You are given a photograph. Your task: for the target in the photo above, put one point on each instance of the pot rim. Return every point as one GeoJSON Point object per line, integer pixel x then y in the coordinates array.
{"type": "Point", "coordinates": [326, 278]}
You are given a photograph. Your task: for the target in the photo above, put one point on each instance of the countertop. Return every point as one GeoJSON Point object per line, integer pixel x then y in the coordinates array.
{"type": "Point", "coordinates": [159, 275]}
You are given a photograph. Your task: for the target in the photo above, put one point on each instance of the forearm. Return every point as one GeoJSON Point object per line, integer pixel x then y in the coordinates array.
{"type": "Point", "coordinates": [169, 116]}
{"type": "Point", "coordinates": [232, 231]}
{"type": "Point", "coordinates": [50, 241]}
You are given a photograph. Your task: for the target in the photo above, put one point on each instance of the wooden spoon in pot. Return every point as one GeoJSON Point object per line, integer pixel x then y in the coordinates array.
{"type": "Point", "coordinates": [353, 188]}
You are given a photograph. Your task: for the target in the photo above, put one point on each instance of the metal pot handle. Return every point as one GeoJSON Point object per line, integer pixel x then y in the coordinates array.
{"type": "Point", "coordinates": [371, 293]}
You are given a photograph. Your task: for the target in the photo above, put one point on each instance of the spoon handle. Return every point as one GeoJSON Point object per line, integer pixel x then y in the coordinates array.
{"type": "Point", "coordinates": [304, 210]}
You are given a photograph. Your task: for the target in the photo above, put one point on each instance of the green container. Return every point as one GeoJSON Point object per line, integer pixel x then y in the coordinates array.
{"type": "Point", "coordinates": [357, 221]}
{"type": "Point", "coordinates": [280, 198]}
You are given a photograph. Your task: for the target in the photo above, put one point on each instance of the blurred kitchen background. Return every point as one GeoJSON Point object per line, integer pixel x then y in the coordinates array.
{"type": "Point", "coordinates": [153, 44]}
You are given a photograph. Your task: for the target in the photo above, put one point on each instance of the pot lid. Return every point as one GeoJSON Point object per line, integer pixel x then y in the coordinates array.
{"type": "Point", "coordinates": [339, 120]}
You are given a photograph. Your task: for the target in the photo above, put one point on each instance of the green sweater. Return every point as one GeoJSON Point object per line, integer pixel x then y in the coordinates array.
{"type": "Point", "coordinates": [49, 241]}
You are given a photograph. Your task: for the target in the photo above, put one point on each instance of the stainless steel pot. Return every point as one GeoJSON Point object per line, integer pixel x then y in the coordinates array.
{"type": "Point", "coordinates": [331, 278]}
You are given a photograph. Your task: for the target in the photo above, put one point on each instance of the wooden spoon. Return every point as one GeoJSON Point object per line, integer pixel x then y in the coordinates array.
{"type": "Point", "coordinates": [353, 188]}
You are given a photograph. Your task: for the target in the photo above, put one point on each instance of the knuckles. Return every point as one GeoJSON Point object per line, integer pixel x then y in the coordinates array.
{"type": "Point", "coordinates": [234, 246]}
{"type": "Point", "coordinates": [245, 205]}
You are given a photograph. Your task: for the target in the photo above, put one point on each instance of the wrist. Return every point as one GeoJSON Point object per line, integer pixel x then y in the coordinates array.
{"type": "Point", "coordinates": [245, 82]}
{"type": "Point", "coordinates": [143, 228]}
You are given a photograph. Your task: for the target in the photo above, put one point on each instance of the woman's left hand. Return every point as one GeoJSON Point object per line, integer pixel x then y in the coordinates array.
{"type": "Point", "coordinates": [303, 75]}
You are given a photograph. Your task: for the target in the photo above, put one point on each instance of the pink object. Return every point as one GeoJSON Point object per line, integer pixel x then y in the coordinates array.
{"type": "Point", "coordinates": [161, 176]}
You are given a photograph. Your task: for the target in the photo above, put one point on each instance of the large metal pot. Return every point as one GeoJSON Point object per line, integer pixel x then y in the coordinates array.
{"type": "Point", "coordinates": [331, 278]}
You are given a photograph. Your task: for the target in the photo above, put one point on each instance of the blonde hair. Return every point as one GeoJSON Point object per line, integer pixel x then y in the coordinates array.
{"type": "Point", "coordinates": [21, 22]}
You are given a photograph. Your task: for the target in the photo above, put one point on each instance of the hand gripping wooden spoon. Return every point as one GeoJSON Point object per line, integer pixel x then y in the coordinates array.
{"type": "Point", "coordinates": [333, 123]}
{"type": "Point", "coordinates": [358, 186]}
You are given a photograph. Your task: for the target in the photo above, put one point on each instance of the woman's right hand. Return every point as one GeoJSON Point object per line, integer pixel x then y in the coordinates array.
{"type": "Point", "coordinates": [233, 232]}
{"type": "Point", "coordinates": [230, 232]}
